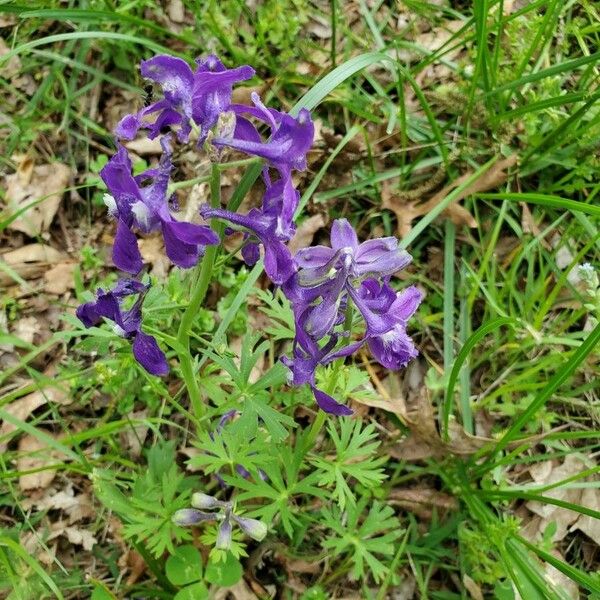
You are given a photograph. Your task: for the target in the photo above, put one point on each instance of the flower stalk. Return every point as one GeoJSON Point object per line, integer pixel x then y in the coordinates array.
{"type": "Point", "coordinates": [197, 297]}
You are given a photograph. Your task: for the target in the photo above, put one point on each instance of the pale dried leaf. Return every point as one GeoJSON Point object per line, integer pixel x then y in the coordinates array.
{"type": "Point", "coordinates": [33, 253]}
{"type": "Point", "coordinates": [23, 407]}
{"type": "Point", "coordinates": [472, 587]}
{"type": "Point", "coordinates": [560, 581]}
{"type": "Point", "coordinates": [144, 146]}
{"type": "Point", "coordinates": [431, 40]}
{"type": "Point", "coordinates": [44, 182]}
{"type": "Point", "coordinates": [394, 405]}
{"type": "Point", "coordinates": [562, 517]}
{"type": "Point", "coordinates": [590, 498]}
{"type": "Point", "coordinates": [12, 66]}
{"type": "Point", "coordinates": [176, 11]}
{"type": "Point", "coordinates": [425, 441]}
{"type": "Point", "coordinates": [34, 454]}
{"type": "Point", "coordinates": [135, 435]}
{"type": "Point", "coordinates": [80, 537]}
{"type": "Point", "coordinates": [59, 279]}
{"type": "Point", "coordinates": [29, 262]}
{"type": "Point", "coordinates": [319, 26]}
{"type": "Point", "coordinates": [306, 232]}
{"type": "Point", "coordinates": [26, 328]}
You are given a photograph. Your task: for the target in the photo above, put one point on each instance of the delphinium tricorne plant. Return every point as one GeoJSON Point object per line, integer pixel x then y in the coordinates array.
{"type": "Point", "coordinates": [340, 297]}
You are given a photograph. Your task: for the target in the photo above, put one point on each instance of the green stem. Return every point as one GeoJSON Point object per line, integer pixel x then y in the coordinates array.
{"type": "Point", "coordinates": [197, 297]}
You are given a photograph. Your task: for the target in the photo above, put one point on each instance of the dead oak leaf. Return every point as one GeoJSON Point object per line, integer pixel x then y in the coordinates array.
{"type": "Point", "coordinates": [42, 186]}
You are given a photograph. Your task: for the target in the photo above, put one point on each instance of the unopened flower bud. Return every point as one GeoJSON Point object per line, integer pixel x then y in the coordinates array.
{"type": "Point", "coordinates": [253, 528]}
{"type": "Point", "coordinates": [200, 500]}
{"type": "Point", "coordinates": [190, 516]}
{"type": "Point", "coordinates": [224, 536]}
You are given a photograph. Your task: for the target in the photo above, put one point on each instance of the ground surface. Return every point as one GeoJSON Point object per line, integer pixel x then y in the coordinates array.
{"type": "Point", "coordinates": [496, 111]}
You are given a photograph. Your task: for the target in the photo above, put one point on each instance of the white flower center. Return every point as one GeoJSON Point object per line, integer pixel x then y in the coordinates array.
{"type": "Point", "coordinates": [111, 204]}
{"type": "Point", "coordinates": [141, 213]}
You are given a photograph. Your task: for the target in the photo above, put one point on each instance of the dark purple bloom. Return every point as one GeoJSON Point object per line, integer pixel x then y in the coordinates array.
{"type": "Point", "coordinates": [386, 314]}
{"type": "Point", "coordinates": [285, 150]}
{"type": "Point", "coordinates": [373, 258]}
{"type": "Point", "coordinates": [142, 202]}
{"type": "Point", "coordinates": [197, 97]}
{"type": "Point", "coordinates": [271, 225]}
{"type": "Point", "coordinates": [326, 274]}
{"type": "Point", "coordinates": [128, 322]}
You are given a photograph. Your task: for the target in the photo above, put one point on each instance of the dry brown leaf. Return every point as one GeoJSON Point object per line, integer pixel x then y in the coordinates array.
{"type": "Point", "coordinates": [407, 211]}
{"type": "Point", "coordinates": [23, 407]}
{"type": "Point", "coordinates": [12, 66]}
{"type": "Point", "coordinates": [26, 328]}
{"type": "Point", "coordinates": [32, 253]}
{"type": "Point", "coordinates": [590, 498]}
{"type": "Point", "coordinates": [59, 279]}
{"type": "Point", "coordinates": [30, 183]}
{"type": "Point", "coordinates": [34, 454]}
{"type": "Point", "coordinates": [29, 262]}
{"type": "Point", "coordinates": [545, 473]}
{"type": "Point", "coordinates": [431, 40]}
{"type": "Point", "coordinates": [394, 405]}
{"type": "Point", "coordinates": [135, 435]}
{"type": "Point", "coordinates": [76, 507]}
{"type": "Point", "coordinates": [75, 535]}
{"type": "Point", "coordinates": [306, 232]}
{"type": "Point", "coordinates": [559, 580]}
{"type": "Point", "coordinates": [176, 11]}
{"type": "Point", "coordinates": [427, 496]}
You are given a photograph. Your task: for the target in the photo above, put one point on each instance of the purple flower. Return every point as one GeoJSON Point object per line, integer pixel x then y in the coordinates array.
{"type": "Point", "coordinates": [326, 274]}
{"type": "Point", "coordinates": [142, 202]}
{"type": "Point", "coordinates": [386, 314]}
{"type": "Point", "coordinates": [197, 97]}
{"type": "Point", "coordinates": [325, 282]}
{"type": "Point", "coordinates": [270, 226]}
{"type": "Point", "coordinates": [373, 258]}
{"type": "Point", "coordinates": [128, 322]}
{"type": "Point", "coordinates": [286, 148]}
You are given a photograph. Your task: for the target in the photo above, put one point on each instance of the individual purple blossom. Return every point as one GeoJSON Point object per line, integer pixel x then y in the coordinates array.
{"type": "Point", "coordinates": [285, 150]}
{"type": "Point", "coordinates": [269, 226]}
{"type": "Point", "coordinates": [325, 274]}
{"type": "Point", "coordinates": [127, 322]}
{"type": "Point", "coordinates": [386, 314]}
{"type": "Point", "coordinates": [190, 97]}
{"type": "Point", "coordinates": [142, 202]}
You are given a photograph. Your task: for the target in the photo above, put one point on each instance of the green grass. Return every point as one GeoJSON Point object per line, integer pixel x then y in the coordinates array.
{"type": "Point", "coordinates": [508, 342]}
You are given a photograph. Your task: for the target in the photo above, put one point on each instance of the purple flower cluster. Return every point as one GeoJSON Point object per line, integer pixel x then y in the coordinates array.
{"type": "Point", "coordinates": [322, 290]}
{"type": "Point", "coordinates": [322, 283]}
